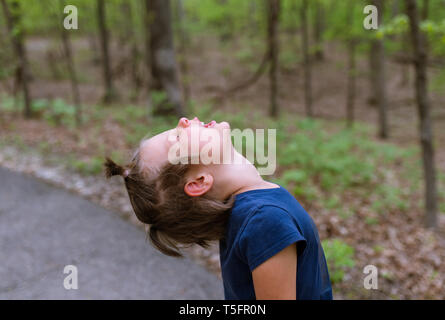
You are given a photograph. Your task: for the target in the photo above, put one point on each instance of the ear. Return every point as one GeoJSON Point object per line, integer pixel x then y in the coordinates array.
{"type": "Point", "coordinates": [198, 186]}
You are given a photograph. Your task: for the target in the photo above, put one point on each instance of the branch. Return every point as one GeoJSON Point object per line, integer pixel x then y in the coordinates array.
{"type": "Point", "coordinates": [248, 82]}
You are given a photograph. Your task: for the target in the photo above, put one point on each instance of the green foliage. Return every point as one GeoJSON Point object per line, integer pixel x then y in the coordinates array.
{"type": "Point", "coordinates": [58, 112]}
{"type": "Point", "coordinates": [225, 19]}
{"type": "Point", "coordinates": [39, 105]}
{"type": "Point", "coordinates": [329, 158]}
{"type": "Point", "coordinates": [390, 198]}
{"type": "Point", "coordinates": [339, 257]}
{"type": "Point", "coordinates": [398, 25]}
{"type": "Point", "coordinates": [325, 165]}
{"type": "Point", "coordinates": [91, 166]}
{"type": "Point", "coordinates": [158, 97]}
{"type": "Point", "coordinates": [130, 114]}
{"type": "Point", "coordinates": [7, 103]}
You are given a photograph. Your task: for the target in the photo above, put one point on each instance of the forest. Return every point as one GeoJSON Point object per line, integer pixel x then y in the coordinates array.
{"type": "Point", "coordinates": [354, 88]}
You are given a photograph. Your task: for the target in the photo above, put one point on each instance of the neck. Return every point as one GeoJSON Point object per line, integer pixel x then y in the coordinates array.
{"type": "Point", "coordinates": [239, 177]}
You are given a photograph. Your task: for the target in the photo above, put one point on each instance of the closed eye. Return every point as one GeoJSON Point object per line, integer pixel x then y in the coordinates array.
{"type": "Point", "coordinates": [175, 134]}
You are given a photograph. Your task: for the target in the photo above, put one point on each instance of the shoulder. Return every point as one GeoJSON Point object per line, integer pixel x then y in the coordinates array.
{"type": "Point", "coordinates": [268, 229]}
{"type": "Point", "coordinates": [268, 220]}
{"type": "Point", "coordinates": [269, 214]}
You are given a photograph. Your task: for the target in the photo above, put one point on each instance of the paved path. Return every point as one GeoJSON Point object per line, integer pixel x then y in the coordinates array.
{"type": "Point", "coordinates": [43, 229]}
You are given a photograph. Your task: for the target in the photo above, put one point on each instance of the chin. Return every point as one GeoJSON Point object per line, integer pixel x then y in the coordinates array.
{"type": "Point", "coordinates": [224, 125]}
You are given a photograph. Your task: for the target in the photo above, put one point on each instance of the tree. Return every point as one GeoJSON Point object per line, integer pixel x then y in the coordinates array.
{"type": "Point", "coordinates": [161, 57]}
{"type": "Point", "coordinates": [318, 30]}
{"type": "Point", "coordinates": [378, 77]}
{"type": "Point", "coordinates": [110, 92]}
{"type": "Point", "coordinates": [15, 29]}
{"type": "Point", "coordinates": [64, 35]}
{"type": "Point", "coordinates": [423, 106]}
{"type": "Point", "coordinates": [272, 39]}
{"type": "Point", "coordinates": [129, 36]}
{"type": "Point", "coordinates": [350, 104]}
{"type": "Point", "coordinates": [183, 39]}
{"type": "Point", "coordinates": [351, 32]}
{"type": "Point", "coordinates": [307, 60]}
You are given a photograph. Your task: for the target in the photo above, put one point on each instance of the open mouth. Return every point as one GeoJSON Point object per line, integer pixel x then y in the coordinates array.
{"type": "Point", "coordinates": [211, 124]}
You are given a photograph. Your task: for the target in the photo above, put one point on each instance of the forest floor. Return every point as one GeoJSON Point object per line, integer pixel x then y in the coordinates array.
{"type": "Point", "coordinates": [411, 259]}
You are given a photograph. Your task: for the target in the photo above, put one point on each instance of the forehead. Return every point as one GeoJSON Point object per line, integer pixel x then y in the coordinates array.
{"type": "Point", "coordinates": [153, 152]}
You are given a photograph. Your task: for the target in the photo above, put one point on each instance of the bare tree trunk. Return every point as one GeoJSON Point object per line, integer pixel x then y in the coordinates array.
{"type": "Point", "coordinates": [307, 61]}
{"type": "Point", "coordinates": [423, 106]}
{"type": "Point", "coordinates": [404, 39]}
{"type": "Point", "coordinates": [351, 43]}
{"type": "Point", "coordinates": [162, 60]}
{"type": "Point", "coordinates": [372, 58]}
{"type": "Point", "coordinates": [110, 93]}
{"type": "Point", "coordinates": [378, 78]}
{"type": "Point", "coordinates": [92, 42]}
{"type": "Point", "coordinates": [395, 8]}
{"type": "Point", "coordinates": [15, 29]}
{"type": "Point", "coordinates": [318, 30]}
{"type": "Point", "coordinates": [351, 83]}
{"type": "Point", "coordinates": [405, 68]}
{"type": "Point", "coordinates": [182, 50]}
{"type": "Point", "coordinates": [272, 26]}
{"type": "Point", "coordinates": [130, 37]}
{"type": "Point", "coordinates": [252, 24]}
{"type": "Point", "coordinates": [425, 9]}
{"type": "Point", "coordinates": [64, 35]}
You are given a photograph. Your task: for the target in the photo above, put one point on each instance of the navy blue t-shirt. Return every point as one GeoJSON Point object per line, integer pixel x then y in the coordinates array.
{"type": "Point", "coordinates": [262, 223]}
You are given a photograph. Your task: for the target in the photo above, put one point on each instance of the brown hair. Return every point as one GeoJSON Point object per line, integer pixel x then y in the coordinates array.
{"type": "Point", "coordinates": [158, 199]}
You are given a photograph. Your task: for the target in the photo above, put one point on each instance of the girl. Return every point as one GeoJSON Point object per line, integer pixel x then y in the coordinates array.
{"type": "Point", "coordinates": [269, 245]}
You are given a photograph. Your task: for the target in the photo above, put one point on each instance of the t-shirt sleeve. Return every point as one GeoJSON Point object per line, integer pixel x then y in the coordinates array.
{"type": "Point", "coordinates": [269, 230]}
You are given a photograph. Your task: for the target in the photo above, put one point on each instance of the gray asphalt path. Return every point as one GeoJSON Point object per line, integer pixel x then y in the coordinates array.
{"type": "Point", "coordinates": [43, 229]}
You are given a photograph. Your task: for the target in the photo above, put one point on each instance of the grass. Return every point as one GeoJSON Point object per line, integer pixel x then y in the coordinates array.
{"type": "Point", "coordinates": [323, 165]}
{"type": "Point", "coordinates": [339, 257]}
{"type": "Point", "coordinates": [91, 166]}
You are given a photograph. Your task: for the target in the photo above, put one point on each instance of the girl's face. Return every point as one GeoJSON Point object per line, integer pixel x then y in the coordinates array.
{"type": "Point", "coordinates": [192, 136]}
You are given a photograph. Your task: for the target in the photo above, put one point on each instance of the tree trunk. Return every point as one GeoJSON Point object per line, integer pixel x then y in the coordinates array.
{"type": "Point", "coordinates": [395, 8]}
{"type": "Point", "coordinates": [272, 26]}
{"type": "Point", "coordinates": [182, 50]}
{"type": "Point", "coordinates": [425, 9]}
{"type": "Point", "coordinates": [64, 35]}
{"type": "Point", "coordinates": [378, 78]}
{"type": "Point", "coordinates": [423, 106]}
{"type": "Point", "coordinates": [307, 61]}
{"type": "Point", "coordinates": [404, 39]}
{"type": "Point", "coordinates": [351, 44]}
{"type": "Point", "coordinates": [130, 37]}
{"type": "Point", "coordinates": [318, 30]}
{"type": "Point", "coordinates": [252, 24]}
{"type": "Point", "coordinates": [15, 29]}
{"type": "Point", "coordinates": [351, 83]}
{"type": "Point", "coordinates": [110, 93]}
{"type": "Point", "coordinates": [162, 60]}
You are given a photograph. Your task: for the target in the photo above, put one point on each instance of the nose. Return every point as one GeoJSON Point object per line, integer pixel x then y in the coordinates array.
{"type": "Point", "coordinates": [183, 122]}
